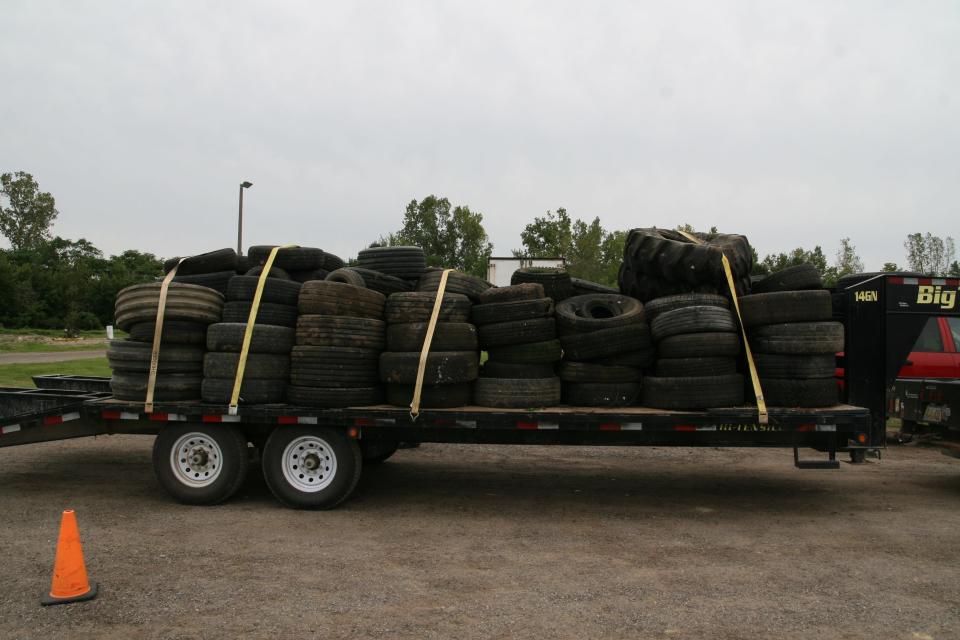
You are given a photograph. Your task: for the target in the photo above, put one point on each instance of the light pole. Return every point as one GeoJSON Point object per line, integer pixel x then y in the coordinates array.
{"type": "Point", "coordinates": [243, 185]}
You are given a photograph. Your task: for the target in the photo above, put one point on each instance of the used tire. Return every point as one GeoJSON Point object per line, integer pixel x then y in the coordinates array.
{"type": "Point", "coordinates": [601, 394]}
{"type": "Point", "coordinates": [695, 345]}
{"type": "Point", "coordinates": [173, 332]}
{"type": "Point", "coordinates": [531, 353]}
{"type": "Point", "coordinates": [447, 336]}
{"type": "Point", "coordinates": [798, 338]}
{"type": "Point", "coordinates": [443, 367]}
{"type": "Point", "coordinates": [130, 355]}
{"type": "Point", "coordinates": [457, 282]}
{"type": "Point", "coordinates": [275, 272]}
{"type": "Point", "coordinates": [346, 275]}
{"type": "Point", "coordinates": [294, 258]}
{"type": "Point", "coordinates": [322, 297]}
{"type": "Point", "coordinates": [704, 366]}
{"type": "Point", "coordinates": [210, 262]}
{"type": "Point", "coordinates": [591, 372]}
{"type": "Point", "coordinates": [189, 302]}
{"type": "Point", "coordinates": [331, 262]}
{"type": "Point", "coordinates": [582, 287]}
{"type": "Point", "coordinates": [517, 393]}
{"type": "Point", "coordinates": [812, 392]}
{"type": "Point", "coordinates": [307, 275]}
{"type": "Point", "coordinates": [281, 315]}
{"type": "Point", "coordinates": [334, 397]}
{"type": "Point", "coordinates": [795, 278]}
{"type": "Point", "coordinates": [503, 334]}
{"type": "Point", "coordinates": [641, 359]}
{"type": "Point", "coordinates": [259, 366]}
{"type": "Point", "coordinates": [556, 282]}
{"type": "Point", "coordinates": [494, 312]}
{"type": "Point", "coordinates": [492, 369]}
{"type": "Point", "coordinates": [775, 365]}
{"type": "Point", "coordinates": [692, 320]}
{"type": "Point", "coordinates": [582, 314]}
{"type": "Point", "coordinates": [338, 331]}
{"type": "Point", "coordinates": [228, 337]}
{"type": "Point", "coordinates": [360, 277]}
{"type": "Point", "coordinates": [657, 306]}
{"type": "Point", "coordinates": [170, 387]}
{"type": "Point", "coordinates": [243, 288]}
{"type": "Point", "coordinates": [418, 307]}
{"type": "Point", "coordinates": [785, 306]}
{"type": "Point", "coordinates": [606, 342]}
{"type": "Point", "coordinates": [701, 392]}
{"type": "Point", "coordinates": [402, 262]}
{"type": "Point", "coordinates": [252, 390]}
{"type": "Point", "coordinates": [513, 293]}
{"type": "Point", "coordinates": [445, 396]}
{"type": "Point", "coordinates": [216, 281]}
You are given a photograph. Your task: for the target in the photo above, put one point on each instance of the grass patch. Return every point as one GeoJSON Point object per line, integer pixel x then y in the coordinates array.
{"type": "Point", "coordinates": [54, 333]}
{"type": "Point", "coordinates": [51, 340]}
{"type": "Point", "coordinates": [19, 375]}
{"type": "Point", "coordinates": [48, 347]}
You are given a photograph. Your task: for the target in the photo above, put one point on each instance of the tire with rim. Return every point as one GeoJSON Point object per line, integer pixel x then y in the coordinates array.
{"type": "Point", "coordinates": [200, 463]}
{"type": "Point", "coordinates": [595, 311]}
{"type": "Point", "coordinates": [309, 467]}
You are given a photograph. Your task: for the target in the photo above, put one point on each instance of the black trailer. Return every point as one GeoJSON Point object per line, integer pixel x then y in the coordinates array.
{"type": "Point", "coordinates": [313, 457]}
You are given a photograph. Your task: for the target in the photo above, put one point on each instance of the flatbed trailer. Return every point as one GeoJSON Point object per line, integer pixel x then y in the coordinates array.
{"type": "Point", "coordinates": [192, 435]}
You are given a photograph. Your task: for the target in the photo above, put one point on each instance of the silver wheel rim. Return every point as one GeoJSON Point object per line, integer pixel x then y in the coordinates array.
{"type": "Point", "coordinates": [196, 459]}
{"type": "Point", "coordinates": [309, 464]}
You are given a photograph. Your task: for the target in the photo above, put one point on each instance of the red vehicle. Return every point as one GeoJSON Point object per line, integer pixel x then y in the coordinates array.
{"type": "Point", "coordinates": [935, 353]}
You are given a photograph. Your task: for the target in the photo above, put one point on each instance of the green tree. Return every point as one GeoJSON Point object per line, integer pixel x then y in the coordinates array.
{"type": "Point", "coordinates": [929, 254]}
{"type": "Point", "coordinates": [847, 261]}
{"type": "Point", "coordinates": [890, 266]}
{"type": "Point", "coordinates": [29, 212]}
{"type": "Point", "coordinates": [589, 251]}
{"type": "Point", "coordinates": [450, 236]}
{"type": "Point", "coordinates": [954, 269]}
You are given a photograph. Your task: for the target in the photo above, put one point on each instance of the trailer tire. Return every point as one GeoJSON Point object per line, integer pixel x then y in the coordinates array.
{"type": "Point", "coordinates": [796, 278]}
{"type": "Point", "coordinates": [601, 394]}
{"type": "Point", "coordinates": [281, 315]}
{"type": "Point", "coordinates": [288, 463]}
{"type": "Point", "coordinates": [200, 463]}
{"type": "Point", "coordinates": [243, 288]}
{"type": "Point", "coordinates": [697, 319]}
{"type": "Point", "coordinates": [504, 334]}
{"type": "Point", "coordinates": [376, 451]}
{"type": "Point", "coordinates": [513, 293]}
{"type": "Point", "coordinates": [517, 393]}
{"type": "Point", "coordinates": [700, 392]}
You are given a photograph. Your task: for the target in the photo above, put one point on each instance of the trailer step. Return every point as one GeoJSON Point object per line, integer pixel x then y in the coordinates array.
{"type": "Point", "coordinates": [830, 463]}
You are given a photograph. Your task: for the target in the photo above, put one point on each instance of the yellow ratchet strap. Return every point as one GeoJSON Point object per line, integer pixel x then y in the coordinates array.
{"type": "Point", "coordinates": [157, 334]}
{"type": "Point", "coordinates": [422, 368]}
{"type": "Point", "coordinates": [248, 334]}
{"type": "Point", "coordinates": [763, 416]}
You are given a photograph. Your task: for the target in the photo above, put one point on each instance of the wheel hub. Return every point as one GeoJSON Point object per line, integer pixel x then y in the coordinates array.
{"type": "Point", "coordinates": [196, 459]}
{"type": "Point", "coordinates": [309, 464]}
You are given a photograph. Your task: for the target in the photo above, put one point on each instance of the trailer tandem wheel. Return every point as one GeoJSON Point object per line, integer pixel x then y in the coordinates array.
{"type": "Point", "coordinates": [309, 467]}
{"type": "Point", "coordinates": [200, 463]}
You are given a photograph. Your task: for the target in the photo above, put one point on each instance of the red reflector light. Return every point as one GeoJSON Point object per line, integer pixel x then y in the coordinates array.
{"type": "Point", "coordinates": [684, 427]}
{"type": "Point", "coordinates": [157, 417]}
{"type": "Point", "coordinates": [353, 432]}
{"type": "Point", "coordinates": [286, 419]}
{"type": "Point", "coordinates": [806, 427]}
{"type": "Point", "coordinates": [526, 425]}
{"type": "Point", "coordinates": [111, 415]}
{"type": "Point", "coordinates": [862, 438]}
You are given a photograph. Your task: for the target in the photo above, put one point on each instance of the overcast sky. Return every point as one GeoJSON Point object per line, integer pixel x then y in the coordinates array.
{"type": "Point", "coordinates": [794, 123]}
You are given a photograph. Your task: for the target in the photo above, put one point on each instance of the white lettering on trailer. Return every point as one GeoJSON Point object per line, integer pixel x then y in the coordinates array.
{"type": "Point", "coordinates": [10, 428]}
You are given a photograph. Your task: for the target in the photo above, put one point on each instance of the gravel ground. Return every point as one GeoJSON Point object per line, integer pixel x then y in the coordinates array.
{"type": "Point", "coordinates": [467, 541]}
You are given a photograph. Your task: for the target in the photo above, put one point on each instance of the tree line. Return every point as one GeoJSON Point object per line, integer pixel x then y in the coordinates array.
{"type": "Point", "coordinates": [52, 282]}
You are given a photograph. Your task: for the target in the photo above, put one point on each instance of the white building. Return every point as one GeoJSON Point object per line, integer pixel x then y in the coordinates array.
{"type": "Point", "coordinates": [500, 269]}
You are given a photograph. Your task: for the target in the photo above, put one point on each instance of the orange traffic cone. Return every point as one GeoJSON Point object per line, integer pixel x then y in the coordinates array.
{"type": "Point", "coordinates": [70, 583]}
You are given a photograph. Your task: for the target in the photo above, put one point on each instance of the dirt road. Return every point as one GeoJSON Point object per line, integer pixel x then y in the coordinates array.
{"type": "Point", "coordinates": [51, 356]}
{"type": "Point", "coordinates": [458, 541]}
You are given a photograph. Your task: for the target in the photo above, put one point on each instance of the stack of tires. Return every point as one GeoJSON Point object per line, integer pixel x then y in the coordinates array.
{"type": "Point", "coordinates": [268, 362]}
{"type": "Point", "coordinates": [453, 361]}
{"type": "Point", "coordinates": [794, 342]}
{"type": "Point", "coordinates": [519, 332]}
{"type": "Point", "coordinates": [457, 282]}
{"type": "Point", "coordinates": [606, 345]}
{"type": "Point", "coordinates": [697, 348]}
{"type": "Point", "coordinates": [339, 338]}
{"type": "Point", "coordinates": [300, 264]}
{"type": "Point", "coordinates": [556, 282]}
{"type": "Point", "coordinates": [370, 279]}
{"type": "Point", "coordinates": [212, 269]}
{"type": "Point", "coordinates": [189, 310]}
{"type": "Point", "coordinates": [406, 263]}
